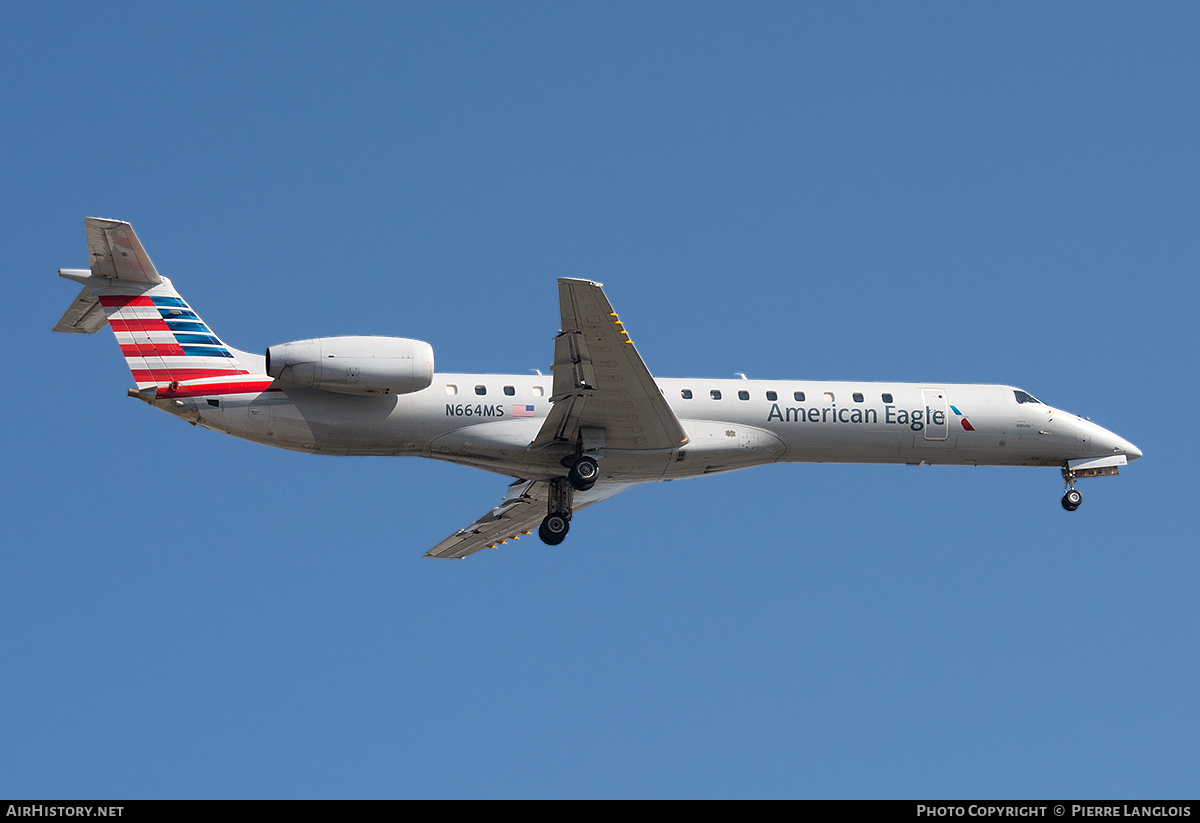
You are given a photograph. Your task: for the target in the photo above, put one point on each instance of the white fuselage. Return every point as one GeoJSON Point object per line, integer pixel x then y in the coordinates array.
{"type": "Point", "coordinates": [488, 421]}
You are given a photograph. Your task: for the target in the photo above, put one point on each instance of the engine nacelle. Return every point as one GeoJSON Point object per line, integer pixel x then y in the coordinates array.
{"type": "Point", "coordinates": [353, 365]}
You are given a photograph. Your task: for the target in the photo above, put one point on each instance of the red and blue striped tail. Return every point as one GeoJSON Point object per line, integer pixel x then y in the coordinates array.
{"type": "Point", "coordinates": [166, 345]}
{"type": "Point", "coordinates": [164, 341]}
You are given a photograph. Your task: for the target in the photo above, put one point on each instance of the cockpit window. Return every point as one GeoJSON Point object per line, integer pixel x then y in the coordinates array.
{"type": "Point", "coordinates": [1026, 397]}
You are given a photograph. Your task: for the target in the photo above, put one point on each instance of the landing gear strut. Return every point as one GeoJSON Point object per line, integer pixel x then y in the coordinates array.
{"type": "Point", "coordinates": [1073, 499]}
{"type": "Point", "coordinates": [557, 521]}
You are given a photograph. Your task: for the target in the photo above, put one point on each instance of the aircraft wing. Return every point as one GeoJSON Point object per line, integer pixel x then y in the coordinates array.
{"type": "Point", "coordinates": [600, 381]}
{"type": "Point", "coordinates": [518, 514]}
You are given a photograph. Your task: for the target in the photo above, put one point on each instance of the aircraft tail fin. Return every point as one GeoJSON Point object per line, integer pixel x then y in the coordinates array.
{"type": "Point", "coordinates": [164, 340]}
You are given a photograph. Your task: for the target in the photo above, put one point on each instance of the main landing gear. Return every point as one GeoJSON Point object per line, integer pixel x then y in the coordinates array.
{"type": "Point", "coordinates": [583, 474]}
{"type": "Point", "coordinates": [557, 522]}
{"type": "Point", "coordinates": [1073, 499]}
{"type": "Point", "coordinates": [554, 528]}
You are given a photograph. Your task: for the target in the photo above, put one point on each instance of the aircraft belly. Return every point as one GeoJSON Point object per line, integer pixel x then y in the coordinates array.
{"type": "Point", "coordinates": [716, 446]}
{"type": "Point", "coordinates": [640, 466]}
{"type": "Point", "coordinates": [320, 422]}
{"type": "Point", "coordinates": [501, 445]}
{"type": "Point", "coordinates": [816, 445]}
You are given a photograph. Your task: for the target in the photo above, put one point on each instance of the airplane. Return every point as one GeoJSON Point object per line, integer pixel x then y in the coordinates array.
{"type": "Point", "coordinates": [597, 426]}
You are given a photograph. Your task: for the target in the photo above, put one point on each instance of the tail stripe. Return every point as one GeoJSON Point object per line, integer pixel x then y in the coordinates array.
{"type": "Point", "coordinates": [164, 341]}
{"type": "Point", "coordinates": [146, 376]}
{"type": "Point", "coordinates": [140, 339]}
{"type": "Point", "coordinates": [122, 300]}
{"type": "Point", "coordinates": [140, 324]}
{"type": "Point", "coordinates": [252, 386]}
{"type": "Point", "coordinates": [205, 351]}
{"type": "Point", "coordinates": [150, 350]}
{"type": "Point", "coordinates": [186, 325]}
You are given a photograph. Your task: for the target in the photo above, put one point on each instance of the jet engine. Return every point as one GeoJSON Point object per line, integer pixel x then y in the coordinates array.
{"type": "Point", "coordinates": [353, 365]}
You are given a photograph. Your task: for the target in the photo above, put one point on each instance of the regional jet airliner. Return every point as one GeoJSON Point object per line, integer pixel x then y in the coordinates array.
{"type": "Point", "coordinates": [600, 424]}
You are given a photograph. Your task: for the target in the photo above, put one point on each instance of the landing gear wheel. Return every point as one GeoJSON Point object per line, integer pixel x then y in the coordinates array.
{"type": "Point", "coordinates": [583, 474]}
{"type": "Point", "coordinates": [1072, 500]}
{"type": "Point", "coordinates": [554, 529]}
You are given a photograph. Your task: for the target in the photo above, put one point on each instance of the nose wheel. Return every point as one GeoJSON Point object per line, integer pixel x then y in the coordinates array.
{"type": "Point", "coordinates": [1073, 499]}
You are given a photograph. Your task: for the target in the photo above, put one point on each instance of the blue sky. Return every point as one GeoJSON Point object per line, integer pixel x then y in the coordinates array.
{"type": "Point", "coordinates": [909, 192]}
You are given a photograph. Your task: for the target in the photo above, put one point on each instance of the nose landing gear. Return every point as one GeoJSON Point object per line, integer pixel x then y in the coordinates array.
{"type": "Point", "coordinates": [1073, 499]}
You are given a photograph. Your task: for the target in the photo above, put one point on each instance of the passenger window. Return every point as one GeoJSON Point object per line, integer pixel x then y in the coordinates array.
{"type": "Point", "coordinates": [715, 394]}
{"type": "Point", "coordinates": [799, 396]}
{"type": "Point", "coordinates": [772, 396]}
{"type": "Point", "coordinates": [743, 395]}
{"type": "Point", "coordinates": [858, 398]}
{"type": "Point", "coordinates": [686, 394]}
{"type": "Point", "coordinates": [887, 398]}
{"type": "Point", "coordinates": [480, 390]}
{"type": "Point", "coordinates": [829, 397]}
{"type": "Point", "coordinates": [451, 388]}
{"type": "Point", "coordinates": [538, 391]}
{"type": "Point", "coordinates": [510, 391]}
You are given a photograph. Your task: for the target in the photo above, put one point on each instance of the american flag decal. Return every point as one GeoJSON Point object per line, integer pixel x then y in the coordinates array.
{"type": "Point", "coordinates": [522, 411]}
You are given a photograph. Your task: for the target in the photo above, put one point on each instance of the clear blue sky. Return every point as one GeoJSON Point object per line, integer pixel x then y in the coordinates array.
{"type": "Point", "coordinates": [994, 193]}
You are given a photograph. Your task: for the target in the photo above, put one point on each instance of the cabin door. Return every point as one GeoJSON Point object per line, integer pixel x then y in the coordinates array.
{"type": "Point", "coordinates": [935, 414]}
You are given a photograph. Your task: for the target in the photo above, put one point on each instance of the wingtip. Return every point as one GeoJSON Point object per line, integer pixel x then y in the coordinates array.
{"type": "Point", "coordinates": [567, 281]}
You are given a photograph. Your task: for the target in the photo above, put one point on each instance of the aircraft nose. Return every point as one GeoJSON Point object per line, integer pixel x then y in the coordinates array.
{"type": "Point", "coordinates": [1120, 445]}
{"type": "Point", "coordinates": [1106, 442]}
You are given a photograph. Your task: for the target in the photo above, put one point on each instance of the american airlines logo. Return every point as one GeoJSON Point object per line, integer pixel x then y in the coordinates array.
{"type": "Point", "coordinates": [966, 424]}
